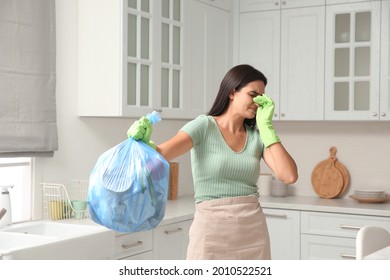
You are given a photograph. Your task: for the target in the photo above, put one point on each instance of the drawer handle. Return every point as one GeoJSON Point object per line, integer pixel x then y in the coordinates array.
{"type": "Point", "coordinates": [280, 216]}
{"type": "Point", "coordinates": [350, 227]}
{"type": "Point", "coordinates": [172, 231]}
{"type": "Point", "coordinates": [347, 256]}
{"type": "Point", "coordinates": [136, 244]}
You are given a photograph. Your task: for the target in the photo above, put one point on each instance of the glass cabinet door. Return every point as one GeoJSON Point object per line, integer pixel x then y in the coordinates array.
{"type": "Point", "coordinates": [154, 55]}
{"type": "Point", "coordinates": [352, 66]}
{"type": "Point", "coordinates": [171, 61]}
{"type": "Point", "coordinates": [139, 53]}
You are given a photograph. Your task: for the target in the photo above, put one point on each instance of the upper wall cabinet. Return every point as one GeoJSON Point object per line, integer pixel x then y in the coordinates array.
{"type": "Point", "coordinates": [264, 5]}
{"type": "Point", "coordinates": [285, 40]}
{"type": "Point", "coordinates": [353, 61]}
{"type": "Point", "coordinates": [132, 57]}
{"type": "Point", "coordinates": [222, 4]}
{"type": "Point", "coordinates": [208, 52]}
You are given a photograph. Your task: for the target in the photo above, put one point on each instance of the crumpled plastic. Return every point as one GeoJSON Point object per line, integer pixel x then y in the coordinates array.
{"type": "Point", "coordinates": [128, 187]}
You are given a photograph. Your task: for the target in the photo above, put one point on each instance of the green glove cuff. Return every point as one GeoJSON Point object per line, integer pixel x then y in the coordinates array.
{"type": "Point", "coordinates": [152, 144]}
{"type": "Point", "coordinates": [268, 135]}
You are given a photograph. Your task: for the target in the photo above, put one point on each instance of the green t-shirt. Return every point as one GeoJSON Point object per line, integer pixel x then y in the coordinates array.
{"type": "Point", "coordinates": [217, 170]}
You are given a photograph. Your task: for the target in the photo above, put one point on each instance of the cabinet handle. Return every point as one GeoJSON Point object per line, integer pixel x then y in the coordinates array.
{"type": "Point", "coordinates": [276, 3]}
{"type": "Point", "coordinates": [158, 110]}
{"type": "Point", "coordinates": [374, 114]}
{"type": "Point", "coordinates": [136, 244]}
{"type": "Point", "coordinates": [383, 114]}
{"type": "Point", "coordinates": [173, 231]}
{"type": "Point", "coordinates": [347, 256]}
{"type": "Point", "coordinates": [280, 216]}
{"type": "Point", "coordinates": [350, 227]}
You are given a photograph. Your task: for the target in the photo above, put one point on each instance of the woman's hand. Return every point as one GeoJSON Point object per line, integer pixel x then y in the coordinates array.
{"type": "Point", "coordinates": [142, 130]}
{"type": "Point", "coordinates": [264, 115]}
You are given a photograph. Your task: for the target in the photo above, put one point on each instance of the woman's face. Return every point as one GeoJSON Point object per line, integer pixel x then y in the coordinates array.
{"type": "Point", "coordinates": [243, 100]}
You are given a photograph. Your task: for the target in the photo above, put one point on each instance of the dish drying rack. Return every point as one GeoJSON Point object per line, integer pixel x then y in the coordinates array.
{"type": "Point", "coordinates": [58, 197]}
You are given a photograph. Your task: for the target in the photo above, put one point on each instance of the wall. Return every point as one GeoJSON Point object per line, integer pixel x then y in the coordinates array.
{"type": "Point", "coordinates": [362, 146]}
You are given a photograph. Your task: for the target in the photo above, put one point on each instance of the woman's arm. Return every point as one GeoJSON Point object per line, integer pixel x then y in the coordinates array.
{"type": "Point", "coordinates": [281, 163]}
{"type": "Point", "coordinates": [176, 146]}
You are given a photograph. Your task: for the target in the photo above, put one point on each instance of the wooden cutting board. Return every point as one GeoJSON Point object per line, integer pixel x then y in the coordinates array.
{"type": "Point", "coordinates": [329, 177]}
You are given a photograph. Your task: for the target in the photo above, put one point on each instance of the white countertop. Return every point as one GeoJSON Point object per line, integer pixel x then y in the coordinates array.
{"type": "Point", "coordinates": [344, 205]}
{"type": "Point", "coordinates": [183, 208]}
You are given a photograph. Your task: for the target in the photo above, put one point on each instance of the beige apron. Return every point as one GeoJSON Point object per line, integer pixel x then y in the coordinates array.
{"type": "Point", "coordinates": [229, 229]}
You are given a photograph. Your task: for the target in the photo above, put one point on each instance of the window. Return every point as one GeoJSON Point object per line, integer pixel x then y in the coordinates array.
{"type": "Point", "coordinates": [17, 172]}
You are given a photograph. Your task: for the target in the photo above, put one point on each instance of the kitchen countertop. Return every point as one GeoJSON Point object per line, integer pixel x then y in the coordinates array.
{"type": "Point", "coordinates": [335, 205]}
{"type": "Point", "coordinates": [183, 208]}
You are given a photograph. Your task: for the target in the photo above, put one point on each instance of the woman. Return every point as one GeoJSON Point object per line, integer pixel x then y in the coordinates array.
{"type": "Point", "coordinates": [226, 149]}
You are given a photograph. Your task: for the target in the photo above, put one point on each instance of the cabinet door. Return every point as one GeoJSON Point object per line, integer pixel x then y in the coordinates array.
{"type": "Point", "coordinates": [317, 247]}
{"type": "Point", "coordinates": [284, 231]}
{"type": "Point", "coordinates": [208, 54]}
{"type": "Point", "coordinates": [127, 245]}
{"type": "Point", "coordinates": [352, 51]}
{"type": "Point", "coordinates": [302, 64]}
{"type": "Point", "coordinates": [259, 46]}
{"type": "Point", "coordinates": [385, 62]}
{"type": "Point", "coordinates": [170, 241]}
{"type": "Point", "coordinates": [288, 47]}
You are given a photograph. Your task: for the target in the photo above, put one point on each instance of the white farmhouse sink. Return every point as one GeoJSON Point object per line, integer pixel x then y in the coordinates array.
{"type": "Point", "coordinates": [12, 241]}
{"type": "Point", "coordinates": [52, 229]}
{"type": "Point", "coordinates": [56, 240]}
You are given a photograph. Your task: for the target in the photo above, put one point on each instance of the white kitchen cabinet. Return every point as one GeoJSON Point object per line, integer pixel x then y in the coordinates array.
{"type": "Point", "coordinates": [264, 5]}
{"type": "Point", "coordinates": [385, 61]}
{"type": "Point", "coordinates": [287, 45]}
{"type": "Point", "coordinates": [353, 58]}
{"type": "Point", "coordinates": [207, 52]}
{"type": "Point", "coordinates": [133, 245]}
{"type": "Point", "coordinates": [319, 247]}
{"type": "Point", "coordinates": [170, 241]}
{"type": "Point", "coordinates": [130, 58]}
{"type": "Point", "coordinates": [332, 236]}
{"type": "Point", "coordinates": [222, 4]}
{"type": "Point", "coordinates": [284, 231]}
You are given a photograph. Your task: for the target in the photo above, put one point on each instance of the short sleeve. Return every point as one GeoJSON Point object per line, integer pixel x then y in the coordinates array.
{"type": "Point", "coordinates": [196, 129]}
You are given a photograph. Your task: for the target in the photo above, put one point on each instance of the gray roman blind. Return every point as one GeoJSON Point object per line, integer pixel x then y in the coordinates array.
{"type": "Point", "coordinates": [27, 78]}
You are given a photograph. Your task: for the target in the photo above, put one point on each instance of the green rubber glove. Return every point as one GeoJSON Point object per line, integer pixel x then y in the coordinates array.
{"type": "Point", "coordinates": [142, 130]}
{"type": "Point", "coordinates": [264, 115]}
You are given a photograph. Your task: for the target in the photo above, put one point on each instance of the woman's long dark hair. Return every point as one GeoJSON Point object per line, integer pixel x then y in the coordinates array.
{"type": "Point", "coordinates": [235, 79]}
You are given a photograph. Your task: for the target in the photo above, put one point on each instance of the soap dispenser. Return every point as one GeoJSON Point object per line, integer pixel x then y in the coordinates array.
{"type": "Point", "coordinates": [5, 206]}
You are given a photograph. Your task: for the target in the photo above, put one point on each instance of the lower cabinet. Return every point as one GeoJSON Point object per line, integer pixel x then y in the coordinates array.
{"type": "Point", "coordinates": [166, 242]}
{"type": "Point", "coordinates": [137, 245]}
{"type": "Point", "coordinates": [311, 235]}
{"type": "Point", "coordinates": [284, 231]}
{"type": "Point", "coordinates": [331, 236]}
{"type": "Point", "coordinates": [170, 241]}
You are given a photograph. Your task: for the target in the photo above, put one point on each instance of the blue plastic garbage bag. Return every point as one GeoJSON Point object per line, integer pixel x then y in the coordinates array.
{"type": "Point", "coordinates": [128, 187]}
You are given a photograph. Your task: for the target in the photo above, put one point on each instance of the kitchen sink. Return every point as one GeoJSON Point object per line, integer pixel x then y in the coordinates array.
{"type": "Point", "coordinates": [44, 240]}
{"type": "Point", "coordinates": [52, 229]}
{"type": "Point", "coordinates": [9, 240]}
